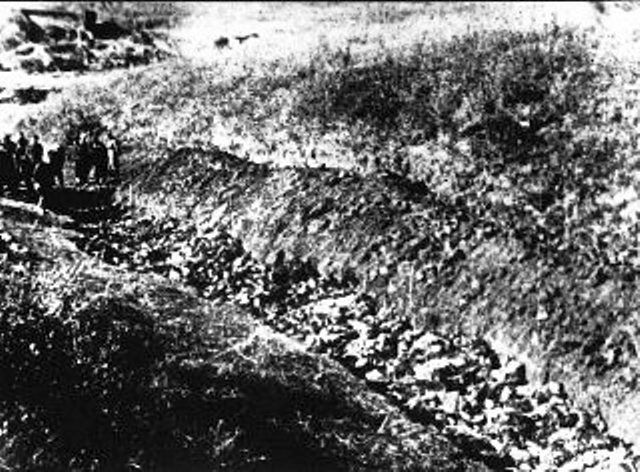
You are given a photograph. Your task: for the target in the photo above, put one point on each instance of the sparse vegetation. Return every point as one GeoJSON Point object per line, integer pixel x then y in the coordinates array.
{"type": "Point", "coordinates": [489, 188]}
{"type": "Point", "coordinates": [106, 370]}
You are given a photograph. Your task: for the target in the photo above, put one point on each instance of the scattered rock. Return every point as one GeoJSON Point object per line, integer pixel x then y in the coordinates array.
{"type": "Point", "coordinates": [443, 379]}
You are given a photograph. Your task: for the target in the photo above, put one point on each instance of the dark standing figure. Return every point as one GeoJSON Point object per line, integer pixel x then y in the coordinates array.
{"type": "Point", "coordinates": [83, 159]}
{"type": "Point", "coordinates": [11, 148]}
{"type": "Point", "coordinates": [44, 179]}
{"type": "Point", "coordinates": [23, 142]}
{"type": "Point", "coordinates": [24, 162]}
{"type": "Point", "coordinates": [4, 170]}
{"type": "Point", "coordinates": [57, 161]}
{"type": "Point", "coordinates": [8, 174]}
{"type": "Point", "coordinates": [9, 145]}
{"type": "Point", "coordinates": [40, 170]}
{"type": "Point", "coordinates": [37, 151]}
{"type": "Point", "coordinates": [99, 154]}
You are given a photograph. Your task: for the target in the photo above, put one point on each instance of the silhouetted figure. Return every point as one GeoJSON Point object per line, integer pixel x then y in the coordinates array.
{"type": "Point", "coordinates": [83, 159]}
{"type": "Point", "coordinates": [24, 163]}
{"type": "Point", "coordinates": [44, 179]}
{"type": "Point", "coordinates": [43, 169]}
{"type": "Point", "coordinates": [9, 145]}
{"type": "Point", "coordinates": [8, 172]}
{"type": "Point", "coordinates": [57, 159]}
{"type": "Point", "coordinates": [23, 142]}
{"type": "Point", "coordinates": [36, 150]}
{"type": "Point", "coordinates": [100, 159]}
{"type": "Point", "coordinates": [12, 149]}
{"type": "Point", "coordinates": [36, 153]}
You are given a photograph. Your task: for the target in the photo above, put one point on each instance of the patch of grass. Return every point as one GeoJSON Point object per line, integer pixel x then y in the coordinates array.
{"type": "Point", "coordinates": [511, 114]}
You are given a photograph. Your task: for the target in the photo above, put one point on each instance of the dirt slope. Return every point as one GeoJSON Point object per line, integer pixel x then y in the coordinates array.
{"type": "Point", "coordinates": [502, 254]}
{"type": "Point", "coordinates": [438, 259]}
{"type": "Point", "coordinates": [169, 380]}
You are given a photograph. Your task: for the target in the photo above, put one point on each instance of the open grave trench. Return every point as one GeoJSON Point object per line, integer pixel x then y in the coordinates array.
{"type": "Point", "coordinates": [482, 400]}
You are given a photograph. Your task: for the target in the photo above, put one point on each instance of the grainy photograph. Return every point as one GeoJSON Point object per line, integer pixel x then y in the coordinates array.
{"type": "Point", "coordinates": [319, 236]}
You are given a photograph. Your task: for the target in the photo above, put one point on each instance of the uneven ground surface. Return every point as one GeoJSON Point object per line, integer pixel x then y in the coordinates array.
{"type": "Point", "coordinates": [406, 236]}
{"type": "Point", "coordinates": [170, 381]}
{"type": "Point", "coordinates": [17, 81]}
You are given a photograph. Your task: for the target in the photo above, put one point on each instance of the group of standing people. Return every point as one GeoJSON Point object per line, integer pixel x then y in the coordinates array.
{"type": "Point", "coordinates": [98, 151]}
{"type": "Point", "coordinates": [39, 169]}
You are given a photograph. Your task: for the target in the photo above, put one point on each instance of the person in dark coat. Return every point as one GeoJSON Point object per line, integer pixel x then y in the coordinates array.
{"type": "Point", "coordinates": [23, 142]}
{"type": "Point", "coordinates": [12, 147]}
{"type": "Point", "coordinates": [9, 145]}
{"type": "Point", "coordinates": [83, 158]}
{"type": "Point", "coordinates": [57, 160]}
{"type": "Point", "coordinates": [36, 151]}
{"type": "Point", "coordinates": [44, 178]}
{"type": "Point", "coordinates": [36, 154]}
{"type": "Point", "coordinates": [100, 159]}
{"type": "Point", "coordinates": [4, 169]}
{"type": "Point", "coordinates": [8, 172]}
{"type": "Point", "coordinates": [24, 164]}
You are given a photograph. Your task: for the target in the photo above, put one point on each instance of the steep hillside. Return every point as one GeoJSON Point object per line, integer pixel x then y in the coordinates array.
{"type": "Point", "coordinates": [105, 369]}
{"type": "Point", "coordinates": [483, 182]}
{"type": "Point", "coordinates": [439, 262]}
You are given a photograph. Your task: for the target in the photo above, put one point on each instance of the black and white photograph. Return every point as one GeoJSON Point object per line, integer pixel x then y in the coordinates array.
{"type": "Point", "coordinates": [319, 236]}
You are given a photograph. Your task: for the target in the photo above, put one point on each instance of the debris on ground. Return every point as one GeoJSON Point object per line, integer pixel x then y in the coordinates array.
{"type": "Point", "coordinates": [458, 383]}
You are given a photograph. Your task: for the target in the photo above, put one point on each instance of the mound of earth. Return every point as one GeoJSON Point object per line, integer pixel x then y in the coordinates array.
{"type": "Point", "coordinates": [111, 369]}
{"type": "Point", "coordinates": [440, 262]}
{"type": "Point", "coordinates": [411, 277]}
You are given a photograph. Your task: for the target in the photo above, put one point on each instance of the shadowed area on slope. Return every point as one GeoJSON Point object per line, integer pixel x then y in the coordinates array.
{"type": "Point", "coordinates": [515, 238]}
{"type": "Point", "coordinates": [84, 205]}
{"type": "Point", "coordinates": [480, 265]}
{"type": "Point", "coordinates": [105, 369]}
